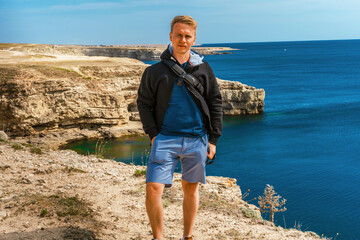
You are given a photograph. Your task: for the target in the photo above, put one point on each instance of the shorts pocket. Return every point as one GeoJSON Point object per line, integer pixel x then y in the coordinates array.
{"type": "Point", "coordinates": [154, 149]}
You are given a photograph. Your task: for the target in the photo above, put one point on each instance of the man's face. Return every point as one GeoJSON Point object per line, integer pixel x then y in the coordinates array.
{"type": "Point", "coordinates": [182, 37]}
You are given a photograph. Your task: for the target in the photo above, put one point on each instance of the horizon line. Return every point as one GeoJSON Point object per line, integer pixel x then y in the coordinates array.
{"type": "Point", "coordinates": [198, 44]}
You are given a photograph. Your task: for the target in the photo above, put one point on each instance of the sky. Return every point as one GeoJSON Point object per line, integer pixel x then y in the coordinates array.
{"type": "Point", "coordinates": [94, 22]}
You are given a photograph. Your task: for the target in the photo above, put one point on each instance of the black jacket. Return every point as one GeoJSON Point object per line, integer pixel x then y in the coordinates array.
{"type": "Point", "coordinates": [155, 90]}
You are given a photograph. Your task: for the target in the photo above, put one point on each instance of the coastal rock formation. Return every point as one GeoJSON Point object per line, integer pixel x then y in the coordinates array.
{"type": "Point", "coordinates": [140, 52]}
{"type": "Point", "coordinates": [240, 99]}
{"type": "Point", "coordinates": [83, 93]}
{"type": "Point", "coordinates": [42, 93]}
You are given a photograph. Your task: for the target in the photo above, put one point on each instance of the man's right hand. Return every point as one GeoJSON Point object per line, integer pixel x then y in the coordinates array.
{"type": "Point", "coordinates": [152, 140]}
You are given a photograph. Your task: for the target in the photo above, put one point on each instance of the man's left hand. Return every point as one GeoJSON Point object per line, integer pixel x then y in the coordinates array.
{"type": "Point", "coordinates": [212, 150]}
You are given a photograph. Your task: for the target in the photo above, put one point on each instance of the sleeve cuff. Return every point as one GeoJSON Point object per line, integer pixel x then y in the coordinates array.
{"type": "Point", "coordinates": [213, 139]}
{"type": "Point", "coordinates": [153, 132]}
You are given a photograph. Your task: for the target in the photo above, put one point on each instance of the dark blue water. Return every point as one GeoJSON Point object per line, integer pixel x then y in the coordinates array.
{"type": "Point", "coordinates": [306, 143]}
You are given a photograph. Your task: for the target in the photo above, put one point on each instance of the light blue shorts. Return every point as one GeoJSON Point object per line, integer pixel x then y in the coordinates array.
{"type": "Point", "coordinates": [167, 150]}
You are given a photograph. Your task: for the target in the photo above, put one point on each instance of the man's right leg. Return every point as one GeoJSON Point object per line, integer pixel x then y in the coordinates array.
{"type": "Point", "coordinates": [154, 207]}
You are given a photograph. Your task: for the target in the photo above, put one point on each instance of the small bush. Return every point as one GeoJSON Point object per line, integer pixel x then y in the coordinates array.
{"type": "Point", "coordinates": [17, 146]}
{"type": "Point", "coordinates": [26, 144]}
{"type": "Point", "coordinates": [44, 212]}
{"type": "Point", "coordinates": [139, 173]}
{"type": "Point", "coordinates": [249, 213]}
{"type": "Point", "coordinates": [36, 150]}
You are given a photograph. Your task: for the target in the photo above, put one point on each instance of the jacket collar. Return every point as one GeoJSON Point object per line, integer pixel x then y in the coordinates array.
{"type": "Point", "coordinates": [195, 57]}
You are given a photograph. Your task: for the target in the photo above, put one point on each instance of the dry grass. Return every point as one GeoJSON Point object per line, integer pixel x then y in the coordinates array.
{"type": "Point", "coordinates": [73, 170]}
{"type": "Point", "coordinates": [100, 72]}
{"type": "Point", "coordinates": [11, 72]}
{"type": "Point", "coordinates": [5, 46]}
{"type": "Point", "coordinates": [42, 56]}
{"type": "Point", "coordinates": [8, 73]}
{"type": "Point", "coordinates": [212, 201]}
{"type": "Point", "coordinates": [19, 46]}
{"type": "Point", "coordinates": [100, 149]}
{"type": "Point", "coordinates": [59, 207]}
{"type": "Point", "coordinates": [216, 203]}
{"type": "Point", "coordinates": [54, 72]}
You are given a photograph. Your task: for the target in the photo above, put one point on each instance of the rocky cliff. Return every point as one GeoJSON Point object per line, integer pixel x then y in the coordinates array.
{"type": "Point", "coordinates": [42, 93]}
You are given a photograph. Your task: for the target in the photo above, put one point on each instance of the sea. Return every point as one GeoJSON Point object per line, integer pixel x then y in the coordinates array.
{"type": "Point", "coordinates": [306, 143]}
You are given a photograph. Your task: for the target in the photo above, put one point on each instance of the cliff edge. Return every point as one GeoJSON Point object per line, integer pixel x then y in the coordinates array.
{"type": "Point", "coordinates": [63, 195]}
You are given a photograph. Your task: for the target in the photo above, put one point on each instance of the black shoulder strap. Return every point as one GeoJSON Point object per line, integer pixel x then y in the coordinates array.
{"type": "Point", "coordinates": [188, 78]}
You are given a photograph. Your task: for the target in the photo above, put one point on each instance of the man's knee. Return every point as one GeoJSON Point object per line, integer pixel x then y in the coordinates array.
{"type": "Point", "coordinates": [154, 189]}
{"type": "Point", "coordinates": [190, 189]}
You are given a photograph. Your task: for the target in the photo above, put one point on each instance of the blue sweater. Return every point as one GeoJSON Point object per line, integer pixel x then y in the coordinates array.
{"type": "Point", "coordinates": [182, 117]}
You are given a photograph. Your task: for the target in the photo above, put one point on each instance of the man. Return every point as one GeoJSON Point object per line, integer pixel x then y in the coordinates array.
{"type": "Point", "coordinates": [181, 124]}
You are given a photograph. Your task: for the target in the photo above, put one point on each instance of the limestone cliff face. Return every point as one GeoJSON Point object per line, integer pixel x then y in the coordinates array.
{"type": "Point", "coordinates": [143, 54]}
{"type": "Point", "coordinates": [41, 93]}
{"type": "Point", "coordinates": [239, 99]}
{"type": "Point", "coordinates": [86, 94]}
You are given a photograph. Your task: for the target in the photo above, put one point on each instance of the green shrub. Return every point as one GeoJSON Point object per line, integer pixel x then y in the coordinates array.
{"type": "Point", "coordinates": [36, 150]}
{"type": "Point", "coordinates": [249, 213]}
{"type": "Point", "coordinates": [17, 146]}
{"type": "Point", "coordinates": [139, 173]}
{"type": "Point", "coordinates": [44, 212]}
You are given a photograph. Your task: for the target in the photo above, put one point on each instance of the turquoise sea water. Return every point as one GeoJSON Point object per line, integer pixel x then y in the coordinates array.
{"type": "Point", "coordinates": [306, 143]}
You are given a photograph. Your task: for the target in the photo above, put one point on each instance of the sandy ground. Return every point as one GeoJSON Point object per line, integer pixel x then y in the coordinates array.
{"type": "Point", "coordinates": [63, 195]}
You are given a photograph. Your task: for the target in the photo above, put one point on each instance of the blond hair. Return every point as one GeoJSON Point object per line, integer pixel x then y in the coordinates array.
{"type": "Point", "coordinates": [184, 19]}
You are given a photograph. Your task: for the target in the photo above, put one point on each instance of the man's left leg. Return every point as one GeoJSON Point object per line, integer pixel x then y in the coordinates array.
{"type": "Point", "coordinates": [193, 172]}
{"type": "Point", "coordinates": [190, 205]}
